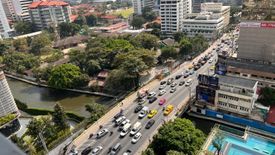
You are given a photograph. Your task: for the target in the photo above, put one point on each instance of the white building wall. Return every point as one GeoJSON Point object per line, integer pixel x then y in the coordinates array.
{"type": "Point", "coordinates": [4, 25]}
{"type": "Point", "coordinates": [140, 4]}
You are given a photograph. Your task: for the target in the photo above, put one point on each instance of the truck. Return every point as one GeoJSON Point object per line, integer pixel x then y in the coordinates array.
{"type": "Point", "coordinates": [135, 129]}
{"type": "Point", "coordinates": [142, 93]}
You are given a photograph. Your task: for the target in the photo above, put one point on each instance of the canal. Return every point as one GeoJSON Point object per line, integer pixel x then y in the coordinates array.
{"type": "Point", "coordinates": [45, 98]}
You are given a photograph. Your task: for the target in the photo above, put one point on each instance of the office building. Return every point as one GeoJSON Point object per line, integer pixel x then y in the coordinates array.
{"type": "Point", "coordinates": [196, 4]}
{"type": "Point", "coordinates": [5, 30]}
{"type": "Point", "coordinates": [204, 23]}
{"type": "Point", "coordinates": [172, 13]}
{"type": "Point", "coordinates": [236, 95]}
{"type": "Point", "coordinates": [49, 13]}
{"type": "Point", "coordinates": [7, 103]}
{"type": "Point", "coordinates": [256, 41]}
{"type": "Point", "coordinates": [139, 5]}
{"type": "Point", "coordinates": [9, 9]}
{"type": "Point", "coordinates": [218, 10]}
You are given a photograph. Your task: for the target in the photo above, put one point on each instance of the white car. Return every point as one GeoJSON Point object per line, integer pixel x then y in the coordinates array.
{"type": "Point", "coordinates": [151, 94]}
{"type": "Point", "coordinates": [210, 61]}
{"type": "Point", "coordinates": [102, 133]}
{"type": "Point", "coordinates": [142, 114]}
{"type": "Point", "coordinates": [189, 82]}
{"type": "Point", "coordinates": [123, 123]}
{"type": "Point", "coordinates": [97, 150]}
{"type": "Point", "coordinates": [136, 138]}
{"type": "Point", "coordinates": [162, 87]}
{"type": "Point", "coordinates": [162, 92]}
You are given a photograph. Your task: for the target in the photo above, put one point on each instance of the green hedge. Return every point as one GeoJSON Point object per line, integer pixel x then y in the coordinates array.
{"type": "Point", "coordinates": [74, 116]}
{"type": "Point", "coordinates": [34, 111]}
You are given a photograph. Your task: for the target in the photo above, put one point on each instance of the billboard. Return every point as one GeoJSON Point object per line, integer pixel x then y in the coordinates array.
{"type": "Point", "coordinates": [258, 24]}
{"type": "Point", "coordinates": [205, 94]}
{"type": "Point", "coordinates": [209, 81]}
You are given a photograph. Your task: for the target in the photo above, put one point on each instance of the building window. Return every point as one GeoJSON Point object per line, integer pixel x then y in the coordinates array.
{"type": "Point", "coordinates": [254, 75]}
{"type": "Point", "coordinates": [222, 104]}
{"type": "Point", "coordinates": [244, 109]}
{"type": "Point", "coordinates": [232, 106]}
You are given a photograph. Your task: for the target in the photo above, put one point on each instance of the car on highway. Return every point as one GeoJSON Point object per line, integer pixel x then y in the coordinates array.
{"type": "Point", "coordinates": [162, 82]}
{"type": "Point", "coordinates": [126, 129]}
{"type": "Point", "coordinates": [185, 74]}
{"type": "Point", "coordinates": [128, 152]}
{"type": "Point", "coordinates": [152, 113]}
{"type": "Point", "coordinates": [210, 60]}
{"type": "Point", "coordinates": [136, 138]}
{"type": "Point", "coordinates": [181, 83]}
{"type": "Point", "coordinates": [151, 94]}
{"type": "Point", "coordinates": [118, 115]}
{"type": "Point", "coordinates": [150, 124]}
{"type": "Point", "coordinates": [119, 120]}
{"type": "Point", "coordinates": [141, 101]}
{"type": "Point", "coordinates": [173, 90]}
{"type": "Point", "coordinates": [174, 84]}
{"type": "Point", "coordinates": [143, 112]}
{"type": "Point", "coordinates": [191, 72]}
{"type": "Point", "coordinates": [138, 108]}
{"type": "Point", "coordinates": [102, 133]}
{"type": "Point", "coordinates": [162, 87]}
{"type": "Point", "coordinates": [153, 99]}
{"type": "Point", "coordinates": [137, 126]}
{"type": "Point", "coordinates": [162, 101]}
{"type": "Point", "coordinates": [188, 82]}
{"type": "Point", "coordinates": [97, 150]}
{"type": "Point", "coordinates": [162, 92]}
{"type": "Point", "coordinates": [114, 150]}
{"type": "Point", "coordinates": [178, 76]}
{"type": "Point", "coordinates": [123, 124]}
{"type": "Point", "coordinates": [169, 81]}
{"type": "Point", "coordinates": [87, 150]}
{"type": "Point", "coordinates": [168, 109]}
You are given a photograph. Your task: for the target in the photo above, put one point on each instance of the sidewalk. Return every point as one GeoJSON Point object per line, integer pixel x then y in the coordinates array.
{"type": "Point", "coordinates": [109, 115]}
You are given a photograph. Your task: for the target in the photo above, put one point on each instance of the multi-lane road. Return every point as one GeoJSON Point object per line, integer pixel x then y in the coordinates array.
{"type": "Point", "coordinates": [182, 92]}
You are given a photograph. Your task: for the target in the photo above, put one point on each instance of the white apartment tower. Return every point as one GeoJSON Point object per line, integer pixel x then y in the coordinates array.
{"type": "Point", "coordinates": [140, 4]}
{"type": "Point", "coordinates": [7, 103]}
{"type": "Point", "coordinates": [17, 10]}
{"type": "Point", "coordinates": [4, 24]}
{"type": "Point", "coordinates": [172, 13]}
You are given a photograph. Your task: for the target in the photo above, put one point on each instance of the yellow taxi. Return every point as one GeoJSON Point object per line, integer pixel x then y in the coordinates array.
{"type": "Point", "coordinates": [168, 109]}
{"type": "Point", "coordinates": [212, 68]}
{"type": "Point", "coordinates": [152, 113]}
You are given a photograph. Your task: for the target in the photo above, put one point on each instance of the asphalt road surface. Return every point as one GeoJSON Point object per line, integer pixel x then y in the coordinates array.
{"type": "Point", "coordinates": [108, 141]}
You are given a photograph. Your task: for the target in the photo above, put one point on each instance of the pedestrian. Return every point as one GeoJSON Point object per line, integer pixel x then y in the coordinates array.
{"type": "Point", "coordinates": [121, 103]}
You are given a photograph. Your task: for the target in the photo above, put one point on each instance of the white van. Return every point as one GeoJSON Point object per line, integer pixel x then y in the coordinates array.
{"type": "Point", "coordinates": [135, 129]}
{"type": "Point", "coordinates": [126, 130]}
{"type": "Point", "coordinates": [188, 82]}
{"type": "Point", "coordinates": [143, 112]}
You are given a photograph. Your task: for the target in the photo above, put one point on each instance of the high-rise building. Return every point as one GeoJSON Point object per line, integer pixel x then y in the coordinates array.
{"type": "Point", "coordinates": [196, 4]}
{"type": "Point", "coordinates": [140, 4]}
{"type": "Point", "coordinates": [49, 13]}
{"type": "Point", "coordinates": [8, 8]}
{"type": "Point", "coordinates": [5, 29]}
{"type": "Point", "coordinates": [7, 103]}
{"type": "Point", "coordinates": [172, 13]}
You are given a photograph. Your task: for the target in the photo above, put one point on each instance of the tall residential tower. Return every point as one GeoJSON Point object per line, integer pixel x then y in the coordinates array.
{"type": "Point", "coordinates": [4, 24]}
{"type": "Point", "coordinates": [140, 4]}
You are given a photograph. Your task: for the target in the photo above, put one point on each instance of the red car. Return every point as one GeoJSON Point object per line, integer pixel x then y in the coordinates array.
{"type": "Point", "coordinates": [162, 101]}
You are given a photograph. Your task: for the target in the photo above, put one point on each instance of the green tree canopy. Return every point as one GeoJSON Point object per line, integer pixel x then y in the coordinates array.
{"type": "Point", "coordinates": [172, 152]}
{"type": "Point", "coordinates": [137, 22]}
{"type": "Point", "coordinates": [148, 151]}
{"type": "Point", "coordinates": [40, 42]}
{"type": "Point", "coordinates": [59, 117]}
{"type": "Point", "coordinates": [185, 46]}
{"type": "Point", "coordinates": [67, 76]}
{"type": "Point", "coordinates": [24, 27]}
{"type": "Point", "coordinates": [179, 135]}
{"type": "Point", "coordinates": [119, 80]}
{"type": "Point", "coordinates": [96, 110]}
{"type": "Point", "coordinates": [267, 96]}
{"type": "Point", "coordinates": [148, 14]}
{"type": "Point", "coordinates": [21, 45]}
{"type": "Point", "coordinates": [91, 20]}
{"type": "Point", "coordinates": [145, 40]}
{"type": "Point", "coordinates": [199, 43]}
{"type": "Point", "coordinates": [168, 52]}
{"type": "Point", "coordinates": [68, 29]}
{"type": "Point", "coordinates": [81, 20]}
{"type": "Point", "coordinates": [178, 36]}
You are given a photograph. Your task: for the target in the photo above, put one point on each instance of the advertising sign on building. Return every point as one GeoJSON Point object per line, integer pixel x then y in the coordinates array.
{"type": "Point", "coordinates": [258, 24]}
{"type": "Point", "coordinates": [209, 81]}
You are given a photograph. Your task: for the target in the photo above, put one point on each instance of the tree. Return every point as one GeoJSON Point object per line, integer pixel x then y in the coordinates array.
{"type": "Point", "coordinates": [5, 46]}
{"type": "Point", "coordinates": [67, 76]}
{"type": "Point", "coordinates": [137, 22]}
{"type": "Point", "coordinates": [38, 125]}
{"type": "Point", "coordinates": [148, 14]}
{"type": "Point", "coordinates": [68, 29]}
{"type": "Point", "coordinates": [91, 20]}
{"type": "Point", "coordinates": [148, 151]}
{"type": "Point", "coordinates": [96, 110]}
{"type": "Point", "coordinates": [267, 96]}
{"type": "Point", "coordinates": [118, 80]}
{"type": "Point", "coordinates": [81, 20]}
{"type": "Point", "coordinates": [178, 36]}
{"type": "Point", "coordinates": [179, 135]}
{"type": "Point", "coordinates": [218, 141]}
{"type": "Point", "coordinates": [59, 117]}
{"type": "Point", "coordinates": [199, 43]}
{"type": "Point", "coordinates": [39, 42]}
{"type": "Point", "coordinates": [21, 45]}
{"type": "Point", "coordinates": [23, 27]}
{"type": "Point", "coordinates": [185, 46]}
{"type": "Point", "coordinates": [172, 152]}
{"type": "Point", "coordinates": [168, 52]}
{"type": "Point", "coordinates": [119, 45]}
{"type": "Point", "coordinates": [145, 40]}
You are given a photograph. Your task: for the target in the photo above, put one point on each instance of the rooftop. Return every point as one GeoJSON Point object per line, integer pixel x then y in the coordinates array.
{"type": "Point", "coordinates": [237, 81]}
{"type": "Point", "coordinates": [10, 148]}
{"type": "Point", "coordinates": [46, 3]}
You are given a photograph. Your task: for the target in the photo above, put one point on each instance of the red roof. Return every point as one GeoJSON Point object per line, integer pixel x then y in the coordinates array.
{"type": "Point", "coordinates": [108, 17]}
{"type": "Point", "coordinates": [271, 116]}
{"type": "Point", "coordinates": [36, 4]}
{"type": "Point", "coordinates": [73, 17]}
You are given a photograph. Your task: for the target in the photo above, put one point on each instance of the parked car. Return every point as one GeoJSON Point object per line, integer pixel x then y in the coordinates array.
{"type": "Point", "coordinates": [97, 150]}
{"type": "Point", "coordinates": [150, 124]}
{"type": "Point", "coordinates": [153, 99]}
{"type": "Point", "coordinates": [136, 138]}
{"type": "Point", "coordinates": [162, 92]}
{"type": "Point", "coordinates": [102, 133]}
{"type": "Point", "coordinates": [138, 108]}
{"type": "Point", "coordinates": [173, 90]}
